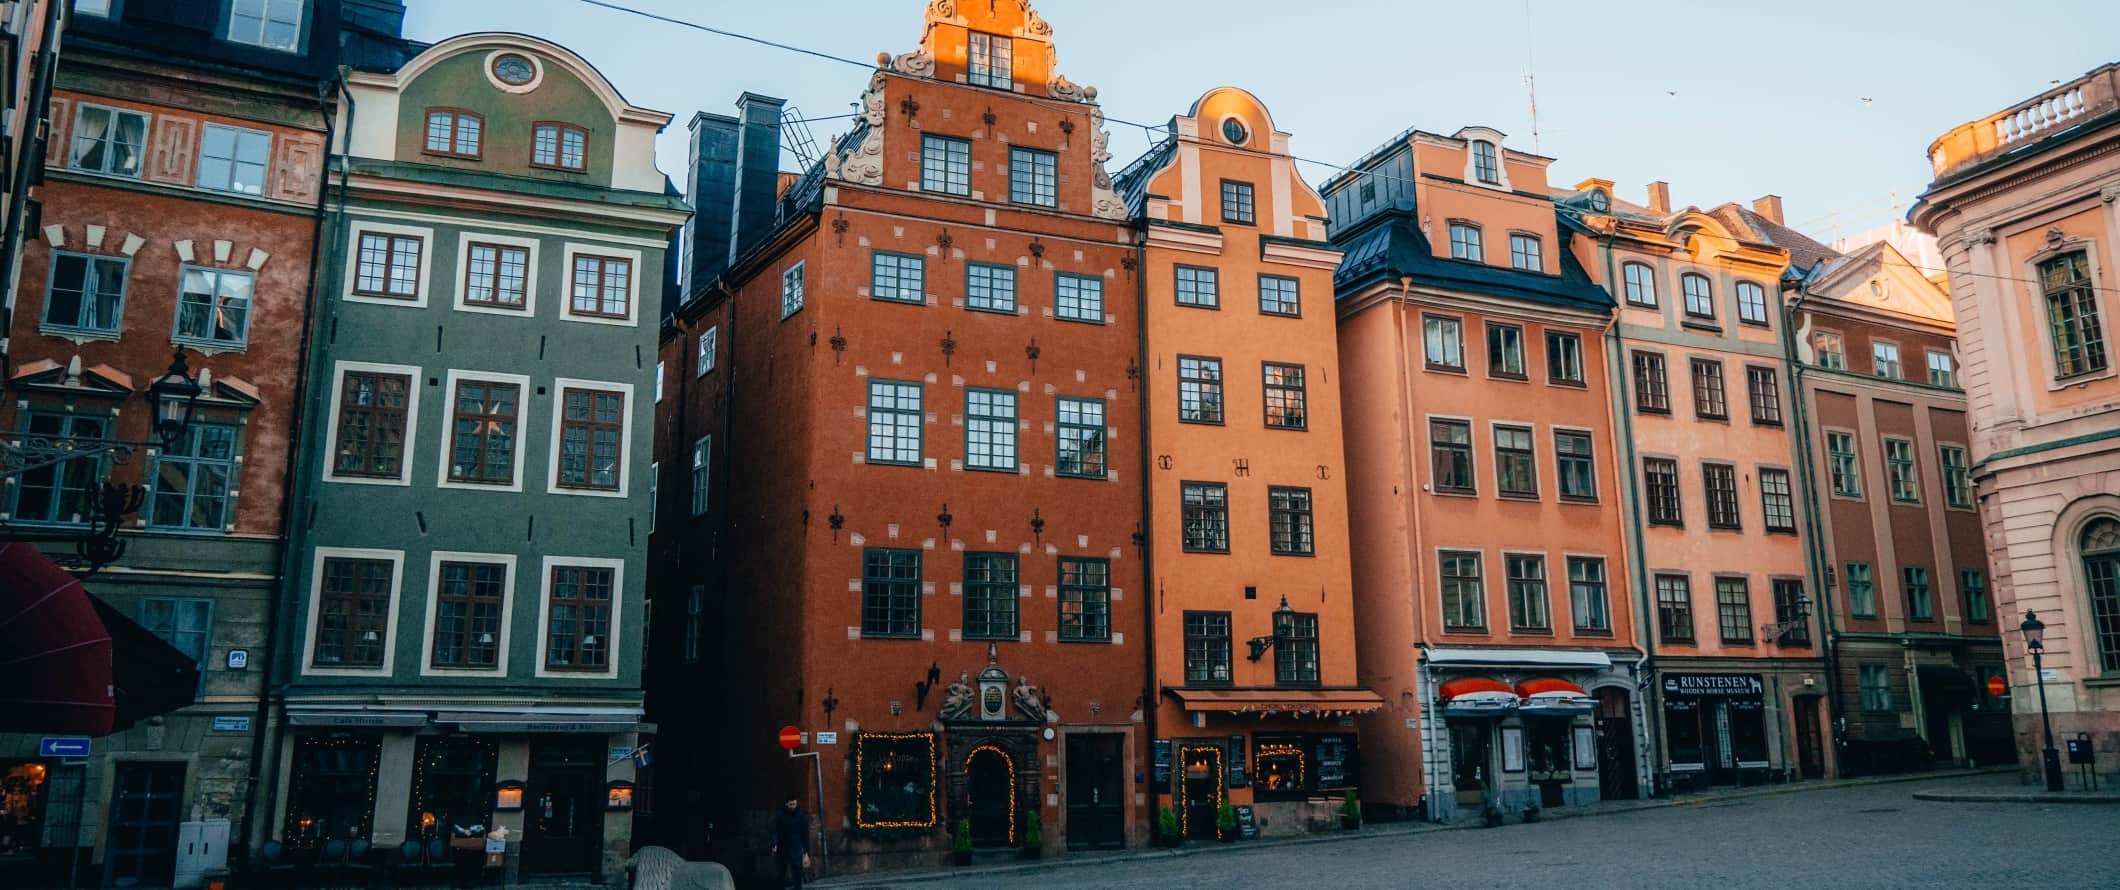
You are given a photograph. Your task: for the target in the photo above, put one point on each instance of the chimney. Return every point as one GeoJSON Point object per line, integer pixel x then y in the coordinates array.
{"type": "Point", "coordinates": [1660, 196]}
{"type": "Point", "coordinates": [1768, 206]}
{"type": "Point", "coordinates": [711, 190]}
{"type": "Point", "coordinates": [757, 170]}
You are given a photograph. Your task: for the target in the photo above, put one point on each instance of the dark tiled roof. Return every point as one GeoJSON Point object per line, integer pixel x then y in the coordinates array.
{"type": "Point", "coordinates": [1392, 246]}
{"type": "Point", "coordinates": [1132, 182]}
{"type": "Point", "coordinates": [1804, 252]}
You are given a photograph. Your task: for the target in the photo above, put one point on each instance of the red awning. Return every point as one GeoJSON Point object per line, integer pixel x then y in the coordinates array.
{"type": "Point", "coordinates": [1553, 695]}
{"type": "Point", "coordinates": [85, 668]}
{"type": "Point", "coordinates": [1477, 697]}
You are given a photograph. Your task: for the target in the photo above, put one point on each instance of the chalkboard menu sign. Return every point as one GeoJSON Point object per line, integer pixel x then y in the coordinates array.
{"type": "Point", "coordinates": [1237, 776]}
{"type": "Point", "coordinates": [1247, 824]}
{"type": "Point", "coordinates": [1160, 752]}
{"type": "Point", "coordinates": [1334, 753]}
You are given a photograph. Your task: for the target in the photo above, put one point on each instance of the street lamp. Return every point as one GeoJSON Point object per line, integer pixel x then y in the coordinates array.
{"type": "Point", "coordinates": [173, 395]}
{"type": "Point", "coordinates": [1259, 645]}
{"type": "Point", "coordinates": [2035, 640]}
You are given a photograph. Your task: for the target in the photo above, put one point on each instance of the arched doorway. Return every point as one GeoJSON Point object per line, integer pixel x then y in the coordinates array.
{"type": "Point", "coordinates": [990, 797]}
{"type": "Point", "coordinates": [1615, 745]}
{"type": "Point", "coordinates": [1200, 785]}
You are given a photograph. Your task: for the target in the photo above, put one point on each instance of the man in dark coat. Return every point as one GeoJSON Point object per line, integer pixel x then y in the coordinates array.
{"type": "Point", "coordinates": [790, 839]}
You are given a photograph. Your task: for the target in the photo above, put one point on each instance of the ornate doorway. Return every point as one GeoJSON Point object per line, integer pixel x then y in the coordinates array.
{"type": "Point", "coordinates": [1201, 786]}
{"type": "Point", "coordinates": [990, 797]}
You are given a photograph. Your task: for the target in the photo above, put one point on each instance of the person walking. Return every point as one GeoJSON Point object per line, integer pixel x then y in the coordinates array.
{"type": "Point", "coordinates": [791, 843]}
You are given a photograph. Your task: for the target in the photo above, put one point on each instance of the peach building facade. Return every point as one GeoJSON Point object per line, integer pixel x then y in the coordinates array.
{"type": "Point", "coordinates": [2026, 207]}
{"type": "Point", "coordinates": [1250, 597]}
{"type": "Point", "coordinates": [1491, 564]}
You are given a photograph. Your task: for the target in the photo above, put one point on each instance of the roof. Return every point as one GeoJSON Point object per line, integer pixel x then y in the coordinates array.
{"type": "Point", "coordinates": [1391, 246]}
{"type": "Point", "coordinates": [1804, 252]}
{"type": "Point", "coordinates": [1132, 182]}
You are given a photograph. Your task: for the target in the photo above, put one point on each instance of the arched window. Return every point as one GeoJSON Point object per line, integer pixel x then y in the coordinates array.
{"type": "Point", "coordinates": [2101, 574]}
{"type": "Point", "coordinates": [1641, 285]}
{"type": "Point", "coordinates": [1700, 295]}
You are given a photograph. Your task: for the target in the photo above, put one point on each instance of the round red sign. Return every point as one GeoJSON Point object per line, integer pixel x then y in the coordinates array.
{"type": "Point", "coordinates": [1997, 687]}
{"type": "Point", "coordinates": [790, 737]}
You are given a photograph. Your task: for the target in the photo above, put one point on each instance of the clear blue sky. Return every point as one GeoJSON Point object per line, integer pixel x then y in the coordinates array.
{"type": "Point", "coordinates": [1725, 100]}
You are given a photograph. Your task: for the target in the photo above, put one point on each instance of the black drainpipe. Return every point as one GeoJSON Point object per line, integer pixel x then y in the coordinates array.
{"type": "Point", "coordinates": [30, 171]}
{"type": "Point", "coordinates": [1150, 696]}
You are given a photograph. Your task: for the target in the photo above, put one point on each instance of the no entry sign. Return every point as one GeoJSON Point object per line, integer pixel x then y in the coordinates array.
{"type": "Point", "coordinates": [790, 737]}
{"type": "Point", "coordinates": [1997, 688]}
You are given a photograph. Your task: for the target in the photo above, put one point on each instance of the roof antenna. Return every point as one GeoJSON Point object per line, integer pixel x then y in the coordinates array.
{"type": "Point", "coordinates": [1531, 78]}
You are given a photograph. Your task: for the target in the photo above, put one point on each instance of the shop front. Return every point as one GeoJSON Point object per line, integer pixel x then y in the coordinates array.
{"type": "Point", "coordinates": [1289, 755]}
{"type": "Point", "coordinates": [1715, 727]}
{"type": "Point", "coordinates": [1527, 730]}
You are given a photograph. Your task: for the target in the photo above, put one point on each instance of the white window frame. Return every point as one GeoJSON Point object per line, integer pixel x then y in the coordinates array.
{"type": "Point", "coordinates": [560, 385]}
{"type": "Point", "coordinates": [412, 419]}
{"type": "Point", "coordinates": [463, 267]}
{"type": "Point", "coordinates": [791, 291]}
{"type": "Point", "coordinates": [700, 475]}
{"type": "Point", "coordinates": [434, 608]}
{"type": "Point", "coordinates": [353, 263]}
{"type": "Point", "coordinates": [1950, 368]}
{"type": "Point", "coordinates": [573, 249]}
{"type": "Point", "coordinates": [396, 558]}
{"type": "Point", "coordinates": [544, 612]}
{"type": "Point", "coordinates": [448, 443]}
{"type": "Point", "coordinates": [101, 12]}
{"type": "Point", "coordinates": [708, 348]}
{"type": "Point", "coordinates": [228, 25]}
{"type": "Point", "coordinates": [662, 369]}
{"type": "Point", "coordinates": [198, 171]}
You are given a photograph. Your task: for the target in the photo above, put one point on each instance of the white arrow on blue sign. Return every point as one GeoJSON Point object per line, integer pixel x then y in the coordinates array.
{"type": "Point", "coordinates": [63, 746]}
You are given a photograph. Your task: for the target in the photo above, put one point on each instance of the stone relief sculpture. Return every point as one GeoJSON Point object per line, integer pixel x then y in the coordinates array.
{"type": "Point", "coordinates": [1029, 702]}
{"type": "Point", "coordinates": [957, 698]}
{"type": "Point", "coordinates": [863, 163]}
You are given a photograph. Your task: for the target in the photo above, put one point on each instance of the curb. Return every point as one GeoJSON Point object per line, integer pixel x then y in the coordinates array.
{"type": "Point", "coordinates": [2026, 797]}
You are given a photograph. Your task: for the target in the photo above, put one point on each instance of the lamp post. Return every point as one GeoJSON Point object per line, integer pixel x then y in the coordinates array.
{"type": "Point", "coordinates": [1259, 645]}
{"type": "Point", "coordinates": [173, 396]}
{"type": "Point", "coordinates": [2035, 640]}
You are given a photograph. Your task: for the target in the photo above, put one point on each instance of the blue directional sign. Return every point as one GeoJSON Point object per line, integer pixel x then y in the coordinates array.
{"type": "Point", "coordinates": [63, 746]}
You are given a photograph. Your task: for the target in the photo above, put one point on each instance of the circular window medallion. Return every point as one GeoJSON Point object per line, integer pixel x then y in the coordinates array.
{"type": "Point", "coordinates": [1599, 201]}
{"type": "Point", "coordinates": [514, 70]}
{"type": "Point", "coordinates": [1233, 130]}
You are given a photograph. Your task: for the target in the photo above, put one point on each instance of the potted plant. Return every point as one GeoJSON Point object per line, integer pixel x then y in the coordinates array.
{"type": "Point", "coordinates": [1350, 811]}
{"type": "Point", "coordinates": [961, 844]}
{"type": "Point", "coordinates": [1167, 827]}
{"type": "Point", "coordinates": [1226, 822]}
{"type": "Point", "coordinates": [1033, 836]}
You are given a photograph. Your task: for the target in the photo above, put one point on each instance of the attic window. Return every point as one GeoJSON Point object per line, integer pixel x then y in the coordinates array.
{"type": "Point", "coordinates": [992, 61]}
{"type": "Point", "coordinates": [1233, 130]}
{"type": "Point", "coordinates": [514, 70]}
{"type": "Point", "coordinates": [1485, 165]}
{"type": "Point", "coordinates": [271, 24]}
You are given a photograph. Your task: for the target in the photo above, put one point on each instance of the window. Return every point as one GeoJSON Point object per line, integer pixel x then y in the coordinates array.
{"type": "Point", "coordinates": [1280, 295]}
{"type": "Point", "coordinates": [2078, 338]}
{"type": "Point", "coordinates": [992, 61]}
{"type": "Point", "coordinates": [213, 307]}
{"type": "Point", "coordinates": [454, 133]}
{"type": "Point", "coordinates": [702, 462]}
{"type": "Point", "coordinates": [895, 787]}
{"type": "Point", "coordinates": [1777, 500]}
{"type": "Point", "coordinates": [2100, 547]}
{"type": "Point", "coordinates": [709, 350]}
{"type": "Point", "coordinates": [272, 24]}
{"type": "Point", "coordinates": [1033, 177]}
{"type": "Point", "coordinates": [1733, 609]}
{"type": "Point", "coordinates": [1444, 344]}
{"type": "Point", "coordinates": [1709, 400]}
{"type": "Point", "coordinates": [1641, 285]}
{"type": "Point", "coordinates": [1789, 606]}
{"type": "Point", "coordinates": [1973, 584]}
{"type": "Point", "coordinates": [695, 618]}
{"type": "Point", "coordinates": [388, 266]}
{"type": "Point", "coordinates": [1206, 512]}
{"type": "Point", "coordinates": [1661, 479]}
{"type": "Point", "coordinates": [1524, 253]}
{"type": "Point", "coordinates": [1875, 682]}
{"type": "Point", "coordinates": [495, 276]}
{"type": "Point", "coordinates": [1575, 465]}
{"type": "Point", "coordinates": [592, 428]}
{"type": "Point", "coordinates": [990, 596]}
{"type": "Point", "coordinates": [990, 429]}
{"type": "Point", "coordinates": [1832, 352]}
{"type": "Point", "coordinates": [1464, 601]}
{"type": "Point", "coordinates": [1564, 358]}
{"type": "Point", "coordinates": [467, 614]}
{"type": "Point", "coordinates": [1527, 592]}
{"type": "Point", "coordinates": [1085, 599]}
{"type": "Point", "coordinates": [1884, 358]}
{"type": "Point", "coordinates": [1700, 295]}
{"type": "Point", "coordinates": [233, 160]}
{"type": "Point", "coordinates": [890, 593]}
{"type": "Point", "coordinates": [1899, 467]}
{"type": "Point", "coordinates": [452, 780]}
{"type": "Point", "coordinates": [1921, 606]}
{"type": "Point", "coordinates": [482, 439]}
{"type": "Point", "coordinates": [67, 491]}
{"type": "Point", "coordinates": [1847, 467]}
{"type": "Point", "coordinates": [1295, 656]}
{"type": "Point", "coordinates": [945, 165]}
{"type": "Point", "coordinates": [185, 624]}
{"type": "Point", "coordinates": [559, 147]}
{"type": "Point", "coordinates": [1505, 351]}
{"type": "Point", "coordinates": [1078, 298]}
{"type": "Point", "coordinates": [87, 293]}
{"type": "Point", "coordinates": [1289, 516]}
{"type": "Point", "coordinates": [1674, 608]}
{"type": "Point", "coordinates": [371, 425]}
{"type": "Point", "coordinates": [654, 493]}
{"type": "Point", "coordinates": [897, 277]}
{"type": "Point", "coordinates": [98, 8]}
{"type": "Point", "coordinates": [894, 423]}
{"type": "Point", "coordinates": [1652, 391]}
{"type": "Point", "coordinates": [1765, 392]}
{"type": "Point", "coordinates": [603, 286]}
{"type": "Point", "coordinates": [578, 618]}
{"type": "Point", "coordinates": [1080, 431]}
{"type": "Point", "coordinates": [1862, 594]}
{"type": "Point", "coordinates": [1287, 402]}
{"type": "Point", "coordinates": [108, 140]}
{"type": "Point", "coordinates": [1515, 462]}
{"type": "Point", "coordinates": [990, 288]}
{"type": "Point", "coordinates": [1586, 594]}
{"type": "Point", "coordinates": [1465, 242]}
{"type": "Point", "coordinates": [1751, 303]}
{"type": "Point", "coordinates": [192, 479]}
{"type": "Point", "coordinates": [353, 610]}
{"type": "Point", "coordinates": [1199, 389]}
{"type": "Point", "coordinates": [1485, 166]}
{"type": "Point", "coordinates": [1237, 203]}
{"type": "Point", "coordinates": [1206, 647]}
{"type": "Point", "coordinates": [1197, 287]}
{"type": "Point", "coordinates": [791, 291]}
{"type": "Point", "coordinates": [1957, 483]}
{"type": "Point", "coordinates": [1942, 372]}
{"type": "Point", "coordinates": [1721, 483]}
{"type": "Point", "coordinates": [1450, 455]}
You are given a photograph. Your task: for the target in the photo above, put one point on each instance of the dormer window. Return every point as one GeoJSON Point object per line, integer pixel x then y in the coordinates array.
{"type": "Point", "coordinates": [1486, 165]}
{"type": "Point", "coordinates": [1524, 253]}
{"type": "Point", "coordinates": [271, 24]}
{"type": "Point", "coordinates": [453, 132]}
{"type": "Point", "coordinates": [1465, 243]}
{"type": "Point", "coordinates": [97, 8]}
{"type": "Point", "coordinates": [992, 61]}
{"type": "Point", "coordinates": [559, 147]}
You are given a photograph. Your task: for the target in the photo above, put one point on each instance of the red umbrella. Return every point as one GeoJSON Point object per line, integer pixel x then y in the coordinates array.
{"type": "Point", "coordinates": [53, 648]}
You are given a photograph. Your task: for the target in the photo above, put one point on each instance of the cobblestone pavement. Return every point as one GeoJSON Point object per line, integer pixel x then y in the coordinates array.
{"type": "Point", "coordinates": [1873, 836]}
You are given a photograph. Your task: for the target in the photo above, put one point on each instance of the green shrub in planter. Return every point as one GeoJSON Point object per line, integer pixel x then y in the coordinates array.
{"type": "Point", "coordinates": [1033, 836]}
{"type": "Point", "coordinates": [1167, 826]}
{"type": "Point", "coordinates": [961, 842]}
{"type": "Point", "coordinates": [1226, 822]}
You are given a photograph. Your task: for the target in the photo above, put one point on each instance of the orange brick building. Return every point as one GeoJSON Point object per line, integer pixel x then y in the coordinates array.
{"type": "Point", "coordinates": [1247, 491]}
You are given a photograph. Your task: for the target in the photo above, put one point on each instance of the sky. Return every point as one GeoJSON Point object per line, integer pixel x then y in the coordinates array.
{"type": "Point", "coordinates": [1829, 103]}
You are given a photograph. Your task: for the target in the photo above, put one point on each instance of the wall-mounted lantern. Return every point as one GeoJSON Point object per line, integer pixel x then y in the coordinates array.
{"type": "Point", "coordinates": [618, 795]}
{"type": "Point", "coordinates": [508, 796]}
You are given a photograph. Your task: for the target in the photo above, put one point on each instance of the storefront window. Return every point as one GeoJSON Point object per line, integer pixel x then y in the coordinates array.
{"type": "Point", "coordinates": [21, 809]}
{"type": "Point", "coordinates": [894, 780]}
{"type": "Point", "coordinates": [332, 794]}
{"type": "Point", "coordinates": [1748, 732]}
{"type": "Point", "coordinates": [1294, 766]}
{"type": "Point", "coordinates": [1682, 727]}
{"type": "Point", "coordinates": [452, 787]}
{"type": "Point", "coordinates": [1548, 742]}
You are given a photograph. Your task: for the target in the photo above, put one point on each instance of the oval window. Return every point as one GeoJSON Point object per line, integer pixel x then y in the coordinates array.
{"type": "Point", "coordinates": [514, 70]}
{"type": "Point", "coordinates": [1233, 130]}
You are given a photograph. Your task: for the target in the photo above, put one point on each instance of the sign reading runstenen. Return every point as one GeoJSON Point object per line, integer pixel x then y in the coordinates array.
{"type": "Point", "coordinates": [1714, 685]}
